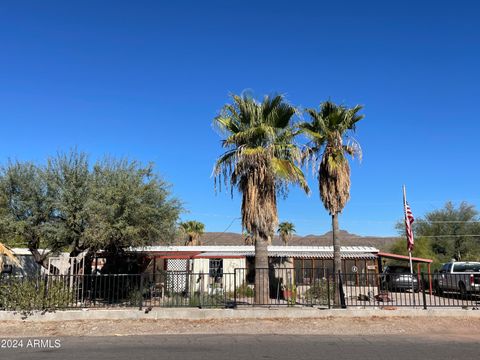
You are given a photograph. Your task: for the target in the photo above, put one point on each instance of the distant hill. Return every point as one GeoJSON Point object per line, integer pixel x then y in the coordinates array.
{"type": "Point", "coordinates": [346, 239]}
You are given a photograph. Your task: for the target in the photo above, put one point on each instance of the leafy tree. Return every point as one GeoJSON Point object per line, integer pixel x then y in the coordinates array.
{"type": "Point", "coordinates": [422, 249]}
{"type": "Point", "coordinates": [260, 160]}
{"type": "Point", "coordinates": [285, 231]}
{"type": "Point", "coordinates": [330, 138]}
{"type": "Point", "coordinates": [69, 180]}
{"type": "Point", "coordinates": [193, 230]}
{"type": "Point", "coordinates": [68, 206]}
{"type": "Point", "coordinates": [27, 207]}
{"type": "Point", "coordinates": [452, 232]}
{"type": "Point", "coordinates": [129, 206]}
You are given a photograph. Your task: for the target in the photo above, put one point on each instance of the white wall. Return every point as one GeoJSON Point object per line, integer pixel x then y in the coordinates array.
{"type": "Point", "coordinates": [206, 284]}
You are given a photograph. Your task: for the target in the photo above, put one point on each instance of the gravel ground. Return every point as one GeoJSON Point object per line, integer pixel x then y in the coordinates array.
{"type": "Point", "coordinates": [465, 329]}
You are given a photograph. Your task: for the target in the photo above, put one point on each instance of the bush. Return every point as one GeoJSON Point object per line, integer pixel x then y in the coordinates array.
{"type": "Point", "coordinates": [207, 300]}
{"type": "Point", "coordinates": [135, 297]}
{"type": "Point", "coordinates": [29, 294]}
{"type": "Point", "coordinates": [319, 291]}
{"type": "Point", "coordinates": [245, 291]}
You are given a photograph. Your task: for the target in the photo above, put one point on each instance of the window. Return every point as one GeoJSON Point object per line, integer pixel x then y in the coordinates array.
{"type": "Point", "coordinates": [459, 268]}
{"type": "Point", "coordinates": [318, 269]}
{"type": "Point", "coordinates": [298, 263]}
{"type": "Point", "coordinates": [309, 270]}
{"type": "Point", "coordinates": [216, 268]}
{"type": "Point", "coordinates": [466, 267]}
{"type": "Point", "coordinates": [472, 267]}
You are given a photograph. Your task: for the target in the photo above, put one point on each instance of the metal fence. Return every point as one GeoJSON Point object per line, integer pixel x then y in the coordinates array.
{"type": "Point", "coordinates": [405, 290]}
{"type": "Point", "coordinates": [286, 287]}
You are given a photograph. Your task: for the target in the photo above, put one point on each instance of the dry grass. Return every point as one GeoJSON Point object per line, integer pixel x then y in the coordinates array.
{"type": "Point", "coordinates": [430, 327]}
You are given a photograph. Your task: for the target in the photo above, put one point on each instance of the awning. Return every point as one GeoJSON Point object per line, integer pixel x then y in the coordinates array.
{"type": "Point", "coordinates": [289, 254]}
{"type": "Point", "coordinates": [305, 252]}
{"type": "Point", "coordinates": [322, 255]}
{"type": "Point", "coordinates": [224, 255]}
{"type": "Point", "coordinates": [403, 257]}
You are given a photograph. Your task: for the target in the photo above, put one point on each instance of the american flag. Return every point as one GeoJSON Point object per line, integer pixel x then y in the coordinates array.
{"type": "Point", "coordinates": [408, 225]}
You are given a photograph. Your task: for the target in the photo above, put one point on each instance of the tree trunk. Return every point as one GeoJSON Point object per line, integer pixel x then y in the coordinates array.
{"type": "Point", "coordinates": [262, 284]}
{"type": "Point", "coordinates": [337, 260]}
{"type": "Point", "coordinates": [40, 259]}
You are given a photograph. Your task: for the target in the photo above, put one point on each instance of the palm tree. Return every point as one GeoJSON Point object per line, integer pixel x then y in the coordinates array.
{"type": "Point", "coordinates": [330, 134]}
{"type": "Point", "coordinates": [193, 230]}
{"type": "Point", "coordinates": [260, 160]}
{"type": "Point", "coordinates": [247, 238]}
{"type": "Point", "coordinates": [285, 231]}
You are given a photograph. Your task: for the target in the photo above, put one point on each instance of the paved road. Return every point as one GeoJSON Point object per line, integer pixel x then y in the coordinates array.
{"type": "Point", "coordinates": [251, 347]}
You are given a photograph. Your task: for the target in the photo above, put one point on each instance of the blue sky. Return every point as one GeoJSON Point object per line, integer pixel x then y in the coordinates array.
{"type": "Point", "coordinates": [144, 79]}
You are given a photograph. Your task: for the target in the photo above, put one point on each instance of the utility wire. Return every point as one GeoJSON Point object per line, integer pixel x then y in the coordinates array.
{"type": "Point", "coordinates": [224, 231]}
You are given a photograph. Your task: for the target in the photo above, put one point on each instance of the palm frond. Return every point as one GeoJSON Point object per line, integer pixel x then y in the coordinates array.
{"type": "Point", "coordinates": [329, 133]}
{"type": "Point", "coordinates": [261, 154]}
{"type": "Point", "coordinates": [4, 250]}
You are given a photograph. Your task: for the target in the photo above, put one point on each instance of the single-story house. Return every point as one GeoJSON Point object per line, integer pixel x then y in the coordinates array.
{"type": "Point", "coordinates": [231, 266]}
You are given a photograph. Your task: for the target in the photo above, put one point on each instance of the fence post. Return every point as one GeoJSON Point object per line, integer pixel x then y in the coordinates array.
{"type": "Point", "coordinates": [235, 288]}
{"type": "Point", "coordinates": [94, 291]}
{"type": "Point", "coordinates": [140, 305]}
{"type": "Point", "coordinates": [424, 295]}
{"type": "Point", "coordinates": [45, 284]}
{"type": "Point", "coordinates": [340, 289]}
{"type": "Point", "coordinates": [328, 290]}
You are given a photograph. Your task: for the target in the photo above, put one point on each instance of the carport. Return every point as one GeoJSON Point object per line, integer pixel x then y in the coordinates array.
{"type": "Point", "coordinates": [415, 260]}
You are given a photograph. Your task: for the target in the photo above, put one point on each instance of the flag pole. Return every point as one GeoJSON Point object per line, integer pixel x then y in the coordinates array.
{"type": "Point", "coordinates": [406, 219]}
{"type": "Point", "coordinates": [408, 239]}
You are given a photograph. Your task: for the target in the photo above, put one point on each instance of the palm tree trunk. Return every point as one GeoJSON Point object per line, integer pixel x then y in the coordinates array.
{"type": "Point", "coordinates": [337, 260]}
{"type": "Point", "coordinates": [262, 284]}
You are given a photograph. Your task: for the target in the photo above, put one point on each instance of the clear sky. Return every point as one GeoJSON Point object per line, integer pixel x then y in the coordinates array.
{"type": "Point", "coordinates": [144, 79]}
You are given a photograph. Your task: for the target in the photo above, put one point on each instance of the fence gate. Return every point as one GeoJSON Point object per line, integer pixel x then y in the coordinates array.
{"type": "Point", "coordinates": [177, 275]}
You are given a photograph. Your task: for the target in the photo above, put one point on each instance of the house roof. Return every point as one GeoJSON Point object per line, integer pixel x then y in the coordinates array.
{"type": "Point", "coordinates": [27, 252]}
{"type": "Point", "coordinates": [322, 252]}
{"type": "Point", "coordinates": [403, 257]}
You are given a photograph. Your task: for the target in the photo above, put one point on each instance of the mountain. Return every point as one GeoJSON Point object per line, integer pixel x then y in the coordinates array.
{"type": "Point", "coordinates": [346, 239]}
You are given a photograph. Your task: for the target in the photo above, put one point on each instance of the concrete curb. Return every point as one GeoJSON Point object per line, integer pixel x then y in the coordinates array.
{"type": "Point", "coordinates": [245, 313]}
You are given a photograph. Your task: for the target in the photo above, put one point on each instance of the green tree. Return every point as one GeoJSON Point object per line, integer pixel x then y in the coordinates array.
{"type": "Point", "coordinates": [330, 138]}
{"type": "Point", "coordinates": [69, 180]}
{"type": "Point", "coordinates": [422, 249]}
{"type": "Point", "coordinates": [27, 208]}
{"type": "Point", "coordinates": [285, 231]}
{"type": "Point", "coordinates": [129, 206]}
{"type": "Point", "coordinates": [193, 230]}
{"type": "Point", "coordinates": [260, 160]}
{"type": "Point", "coordinates": [452, 232]}
{"type": "Point", "coordinates": [68, 206]}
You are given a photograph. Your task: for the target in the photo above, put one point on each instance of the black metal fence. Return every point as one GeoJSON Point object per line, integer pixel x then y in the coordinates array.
{"type": "Point", "coordinates": [286, 287]}
{"type": "Point", "coordinates": [417, 290]}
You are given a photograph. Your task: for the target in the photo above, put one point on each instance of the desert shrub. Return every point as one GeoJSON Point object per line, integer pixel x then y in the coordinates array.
{"type": "Point", "coordinates": [319, 291]}
{"type": "Point", "coordinates": [26, 295]}
{"type": "Point", "coordinates": [206, 300]}
{"type": "Point", "coordinates": [134, 297]}
{"type": "Point", "coordinates": [245, 291]}
{"type": "Point", "coordinates": [176, 299]}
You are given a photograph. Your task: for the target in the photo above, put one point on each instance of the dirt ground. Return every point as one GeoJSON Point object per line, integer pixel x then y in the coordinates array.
{"type": "Point", "coordinates": [461, 328]}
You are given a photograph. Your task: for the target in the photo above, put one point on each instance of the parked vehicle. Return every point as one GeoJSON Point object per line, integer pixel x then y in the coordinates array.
{"type": "Point", "coordinates": [458, 276]}
{"type": "Point", "coordinates": [399, 278]}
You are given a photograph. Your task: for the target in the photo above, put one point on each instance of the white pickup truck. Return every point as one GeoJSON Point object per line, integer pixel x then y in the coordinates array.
{"type": "Point", "coordinates": [458, 276]}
